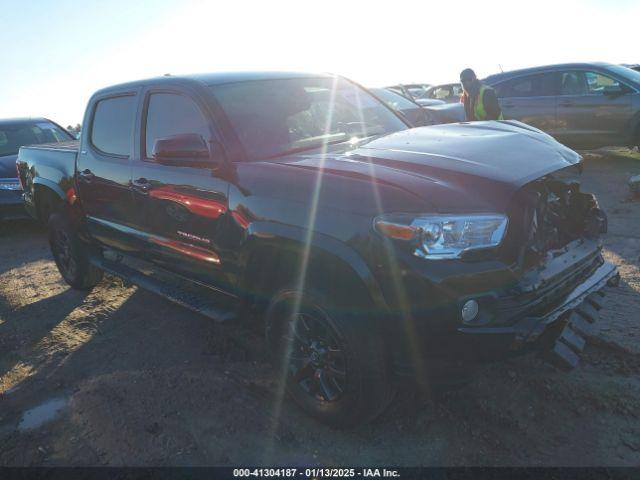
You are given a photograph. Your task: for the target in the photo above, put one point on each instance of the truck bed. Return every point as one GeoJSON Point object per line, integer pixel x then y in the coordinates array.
{"type": "Point", "coordinates": [70, 146]}
{"type": "Point", "coordinates": [48, 165]}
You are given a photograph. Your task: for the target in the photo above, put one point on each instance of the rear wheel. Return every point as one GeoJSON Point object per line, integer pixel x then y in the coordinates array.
{"type": "Point", "coordinates": [71, 254]}
{"type": "Point", "coordinates": [334, 364]}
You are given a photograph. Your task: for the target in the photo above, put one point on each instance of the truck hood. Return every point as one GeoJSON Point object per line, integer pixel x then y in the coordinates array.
{"type": "Point", "coordinates": [465, 166]}
{"type": "Point", "coordinates": [8, 166]}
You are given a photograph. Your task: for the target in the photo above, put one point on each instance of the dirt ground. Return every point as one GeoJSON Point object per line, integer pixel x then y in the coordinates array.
{"type": "Point", "coordinates": [131, 379]}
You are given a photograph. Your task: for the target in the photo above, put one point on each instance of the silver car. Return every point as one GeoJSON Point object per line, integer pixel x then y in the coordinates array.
{"type": "Point", "coordinates": [447, 92]}
{"type": "Point", "coordinates": [585, 105]}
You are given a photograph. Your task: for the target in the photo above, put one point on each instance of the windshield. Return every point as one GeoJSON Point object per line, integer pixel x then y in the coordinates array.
{"type": "Point", "coordinates": [16, 135]}
{"type": "Point", "coordinates": [393, 99]}
{"type": "Point", "coordinates": [626, 72]}
{"type": "Point", "coordinates": [275, 117]}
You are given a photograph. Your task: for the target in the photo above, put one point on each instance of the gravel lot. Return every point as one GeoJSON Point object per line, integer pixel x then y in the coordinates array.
{"type": "Point", "coordinates": [127, 378]}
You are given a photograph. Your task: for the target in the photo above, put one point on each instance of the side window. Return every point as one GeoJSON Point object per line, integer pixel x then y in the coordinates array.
{"type": "Point", "coordinates": [541, 85]}
{"type": "Point", "coordinates": [573, 83]}
{"type": "Point", "coordinates": [113, 124]}
{"type": "Point", "coordinates": [523, 88]}
{"type": "Point", "coordinates": [171, 114]}
{"type": "Point", "coordinates": [442, 92]}
{"type": "Point", "coordinates": [597, 82]}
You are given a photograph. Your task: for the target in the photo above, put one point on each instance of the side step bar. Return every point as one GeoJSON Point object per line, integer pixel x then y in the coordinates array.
{"type": "Point", "coordinates": [196, 298]}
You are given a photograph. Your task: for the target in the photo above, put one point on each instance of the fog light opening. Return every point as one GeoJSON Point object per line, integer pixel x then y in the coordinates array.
{"type": "Point", "coordinates": [470, 311]}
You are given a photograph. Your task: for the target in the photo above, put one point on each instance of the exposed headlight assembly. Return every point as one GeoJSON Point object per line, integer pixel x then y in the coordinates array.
{"type": "Point", "coordinates": [444, 236]}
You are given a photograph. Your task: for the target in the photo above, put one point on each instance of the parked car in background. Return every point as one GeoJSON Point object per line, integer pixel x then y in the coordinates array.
{"type": "Point", "coordinates": [447, 92]}
{"type": "Point", "coordinates": [584, 105]}
{"type": "Point", "coordinates": [370, 250]}
{"type": "Point", "coordinates": [446, 113]}
{"type": "Point", "coordinates": [413, 112]}
{"type": "Point", "coordinates": [15, 133]}
{"type": "Point", "coordinates": [413, 90]}
{"type": "Point", "coordinates": [416, 92]}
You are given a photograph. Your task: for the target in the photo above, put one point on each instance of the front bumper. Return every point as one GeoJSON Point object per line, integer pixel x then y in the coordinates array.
{"type": "Point", "coordinates": [531, 315]}
{"type": "Point", "coordinates": [529, 330]}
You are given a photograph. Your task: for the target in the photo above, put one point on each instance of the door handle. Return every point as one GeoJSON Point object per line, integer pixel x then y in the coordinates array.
{"type": "Point", "coordinates": [87, 174]}
{"type": "Point", "coordinates": [141, 184]}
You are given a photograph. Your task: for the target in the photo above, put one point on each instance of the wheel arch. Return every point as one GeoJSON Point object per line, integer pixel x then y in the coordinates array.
{"type": "Point", "coordinates": [274, 254]}
{"type": "Point", "coordinates": [47, 196]}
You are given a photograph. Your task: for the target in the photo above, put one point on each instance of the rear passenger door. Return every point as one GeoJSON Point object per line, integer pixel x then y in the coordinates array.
{"type": "Point", "coordinates": [531, 99]}
{"type": "Point", "coordinates": [104, 168]}
{"type": "Point", "coordinates": [180, 208]}
{"type": "Point", "coordinates": [587, 114]}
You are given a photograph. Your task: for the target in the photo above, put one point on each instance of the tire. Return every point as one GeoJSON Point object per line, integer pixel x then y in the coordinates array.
{"type": "Point", "coordinates": [333, 364]}
{"type": "Point", "coordinates": [71, 255]}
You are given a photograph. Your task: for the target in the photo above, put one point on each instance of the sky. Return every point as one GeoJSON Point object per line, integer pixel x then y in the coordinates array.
{"type": "Point", "coordinates": [55, 54]}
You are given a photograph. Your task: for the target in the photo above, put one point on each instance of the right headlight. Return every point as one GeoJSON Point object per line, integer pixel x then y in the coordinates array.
{"type": "Point", "coordinates": [444, 236]}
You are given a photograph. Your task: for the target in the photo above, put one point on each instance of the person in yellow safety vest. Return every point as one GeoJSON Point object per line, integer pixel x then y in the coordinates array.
{"type": "Point", "coordinates": [480, 101]}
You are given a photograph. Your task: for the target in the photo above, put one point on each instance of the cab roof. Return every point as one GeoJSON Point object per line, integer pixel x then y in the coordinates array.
{"type": "Point", "coordinates": [209, 79]}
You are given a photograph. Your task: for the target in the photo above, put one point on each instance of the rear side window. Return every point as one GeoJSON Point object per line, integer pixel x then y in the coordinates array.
{"type": "Point", "coordinates": [113, 124]}
{"type": "Point", "coordinates": [171, 114]}
{"type": "Point", "coordinates": [541, 85]}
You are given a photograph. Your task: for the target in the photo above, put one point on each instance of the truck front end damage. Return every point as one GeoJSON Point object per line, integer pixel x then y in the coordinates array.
{"type": "Point", "coordinates": [554, 242]}
{"type": "Point", "coordinates": [541, 289]}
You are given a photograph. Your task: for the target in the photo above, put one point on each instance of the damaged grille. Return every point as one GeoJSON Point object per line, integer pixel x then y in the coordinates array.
{"type": "Point", "coordinates": [545, 216]}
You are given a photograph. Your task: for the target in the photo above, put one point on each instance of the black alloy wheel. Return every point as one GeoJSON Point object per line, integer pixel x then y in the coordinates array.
{"type": "Point", "coordinates": [316, 361]}
{"type": "Point", "coordinates": [333, 362]}
{"type": "Point", "coordinates": [71, 254]}
{"type": "Point", "coordinates": [63, 254]}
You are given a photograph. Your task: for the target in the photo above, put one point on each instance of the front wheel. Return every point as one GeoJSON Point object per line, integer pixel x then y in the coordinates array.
{"type": "Point", "coordinates": [333, 364]}
{"type": "Point", "coordinates": [71, 254]}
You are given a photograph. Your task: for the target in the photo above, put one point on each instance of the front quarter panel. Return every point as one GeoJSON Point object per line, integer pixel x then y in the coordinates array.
{"type": "Point", "coordinates": [289, 210]}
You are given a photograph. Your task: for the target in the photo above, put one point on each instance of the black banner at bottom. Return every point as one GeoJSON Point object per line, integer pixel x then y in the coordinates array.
{"type": "Point", "coordinates": [405, 473]}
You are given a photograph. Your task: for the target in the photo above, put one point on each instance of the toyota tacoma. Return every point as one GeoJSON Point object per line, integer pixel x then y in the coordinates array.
{"type": "Point", "coordinates": [372, 251]}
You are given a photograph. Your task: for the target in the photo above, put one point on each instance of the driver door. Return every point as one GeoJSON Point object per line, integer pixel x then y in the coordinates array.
{"type": "Point", "coordinates": [181, 206]}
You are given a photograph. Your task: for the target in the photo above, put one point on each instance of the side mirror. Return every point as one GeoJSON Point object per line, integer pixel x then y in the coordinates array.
{"type": "Point", "coordinates": [187, 149]}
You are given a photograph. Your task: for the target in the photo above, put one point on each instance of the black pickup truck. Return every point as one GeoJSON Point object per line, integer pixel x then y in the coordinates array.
{"type": "Point", "coordinates": [372, 251]}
